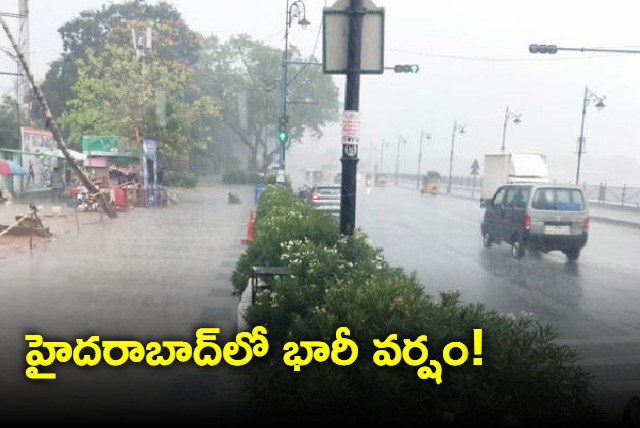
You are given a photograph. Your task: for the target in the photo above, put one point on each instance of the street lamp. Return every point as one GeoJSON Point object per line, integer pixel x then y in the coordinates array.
{"type": "Point", "coordinates": [460, 128]}
{"type": "Point", "coordinates": [295, 10]}
{"type": "Point", "coordinates": [384, 144]}
{"type": "Point", "coordinates": [428, 137]}
{"type": "Point", "coordinates": [588, 97]}
{"type": "Point", "coordinates": [400, 140]}
{"type": "Point", "coordinates": [509, 116]}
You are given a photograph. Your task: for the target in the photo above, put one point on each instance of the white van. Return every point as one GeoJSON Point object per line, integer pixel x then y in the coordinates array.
{"type": "Point", "coordinates": [540, 217]}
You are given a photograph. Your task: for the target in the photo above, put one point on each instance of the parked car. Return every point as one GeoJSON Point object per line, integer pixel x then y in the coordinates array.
{"type": "Point", "coordinates": [538, 217]}
{"type": "Point", "coordinates": [325, 197]}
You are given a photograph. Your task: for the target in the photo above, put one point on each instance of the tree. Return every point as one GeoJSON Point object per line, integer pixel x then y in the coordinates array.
{"type": "Point", "coordinates": [243, 75]}
{"type": "Point", "coordinates": [116, 94]}
{"type": "Point", "coordinates": [173, 41]}
{"type": "Point", "coordinates": [9, 132]}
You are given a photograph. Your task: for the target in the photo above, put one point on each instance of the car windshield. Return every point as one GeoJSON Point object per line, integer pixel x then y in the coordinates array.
{"type": "Point", "coordinates": [378, 212]}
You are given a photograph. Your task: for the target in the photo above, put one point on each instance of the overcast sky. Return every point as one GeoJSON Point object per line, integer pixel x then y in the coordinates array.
{"type": "Point", "coordinates": [474, 62]}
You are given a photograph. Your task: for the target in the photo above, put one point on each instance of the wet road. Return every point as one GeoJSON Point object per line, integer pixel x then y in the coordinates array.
{"type": "Point", "coordinates": [593, 302]}
{"type": "Point", "coordinates": [151, 275]}
{"type": "Point", "coordinates": [156, 275]}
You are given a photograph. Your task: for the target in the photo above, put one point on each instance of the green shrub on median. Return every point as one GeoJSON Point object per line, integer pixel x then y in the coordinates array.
{"type": "Point", "coordinates": [338, 281]}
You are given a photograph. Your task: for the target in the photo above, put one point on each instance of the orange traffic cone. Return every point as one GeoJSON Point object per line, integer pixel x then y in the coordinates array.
{"type": "Point", "coordinates": [251, 229]}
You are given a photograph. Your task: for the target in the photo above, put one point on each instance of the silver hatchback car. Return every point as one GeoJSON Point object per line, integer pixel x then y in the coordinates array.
{"type": "Point", "coordinates": [325, 197]}
{"type": "Point", "coordinates": [540, 217]}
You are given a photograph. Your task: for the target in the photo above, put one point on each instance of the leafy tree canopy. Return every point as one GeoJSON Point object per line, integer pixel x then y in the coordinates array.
{"type": "Point", "coordinates": [116, 94]}
{"type": "Point", "coordinates": [172, 41]}
{"type": "Point", "coordinates": [244, 77]}
{"type": "Point", "coordinates": [9, 138]}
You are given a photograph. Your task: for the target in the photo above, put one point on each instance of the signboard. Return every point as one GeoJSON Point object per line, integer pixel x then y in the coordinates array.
{"type": "Point", "coordinates": [149, 147]}
{"type": "Point", "coordinates": [99, 145]}
{"type": "Point", "coordinates": [335, 38]}
{"type": "Point", "coordinates": [38, 165]}
{"type": "Point", "coordinates": [475, 167]}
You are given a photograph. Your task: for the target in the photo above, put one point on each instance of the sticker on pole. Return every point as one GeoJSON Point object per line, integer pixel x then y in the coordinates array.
{"type": "Point", "coordinates": [350, 127]}
{"type": "Point", "coordinates": [350, 150]}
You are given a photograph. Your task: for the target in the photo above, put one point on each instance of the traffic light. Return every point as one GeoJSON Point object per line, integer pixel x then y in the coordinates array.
{"type": "Point", "coordinates": [406, 68]}
{"type": "Point", "coordinates": [283, 135]}
{"type": "Point", "coordinates": [550, 49]}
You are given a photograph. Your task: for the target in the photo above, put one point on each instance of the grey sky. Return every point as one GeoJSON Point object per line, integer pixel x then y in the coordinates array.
{"type": "Point", "coordinates": [473, 61]}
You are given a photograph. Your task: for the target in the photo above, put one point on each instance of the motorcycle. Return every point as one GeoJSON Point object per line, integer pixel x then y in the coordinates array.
{"type": "Point", "coordinates": [303, 192]}
{"type": "Point", "coordinates": [85, 201]}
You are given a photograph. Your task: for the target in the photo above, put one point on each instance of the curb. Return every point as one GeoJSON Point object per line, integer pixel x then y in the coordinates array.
{"type": "Point", "coordinates": [614, 221]}
{"type": "Point", "coordinates": [245, 302]}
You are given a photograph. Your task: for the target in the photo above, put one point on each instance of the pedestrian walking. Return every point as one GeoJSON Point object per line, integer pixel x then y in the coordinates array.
{"type": "Point", "coordinates": [57, 185]}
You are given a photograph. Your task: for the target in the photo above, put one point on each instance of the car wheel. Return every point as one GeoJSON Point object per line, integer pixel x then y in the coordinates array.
{"type": "Point", "coordinates": [486, 240]}
{"type": "Point", "coordinates": [572, 254]}
{"type": "Point", "coordinates": [517, 248]}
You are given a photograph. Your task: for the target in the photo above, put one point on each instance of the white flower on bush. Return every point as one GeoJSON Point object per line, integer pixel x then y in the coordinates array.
{"type": "Point", "coordinates": [527, 315]}
{"type": "Point", "coordinates": [274, 300]}
{"type": "Point", "coordinates": [319, 310]}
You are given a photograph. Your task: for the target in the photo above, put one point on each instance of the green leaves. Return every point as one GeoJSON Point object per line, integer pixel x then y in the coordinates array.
{"type": "Point", "coordinates": [341, 281]}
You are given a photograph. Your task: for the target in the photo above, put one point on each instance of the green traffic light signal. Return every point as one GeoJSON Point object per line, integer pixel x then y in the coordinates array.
{"type": "Point", "coordinates": [406, 68]}
{"type": "Point", "coordinates": [283, 136]}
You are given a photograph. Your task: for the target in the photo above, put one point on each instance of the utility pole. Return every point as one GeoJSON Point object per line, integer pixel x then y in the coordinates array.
{"type": "Point", "coordinates": [400, 140]}
{"type": "Point", "coordinates": [422, 135]}
{"type": "Point", "coordinates": [24, 93]}
{"type": "Point", "coordinates": [55, 130]}
{"type": "Point", "coordinates": [349, 157]}
{"type": "Point", "coordinates": [384, 143]}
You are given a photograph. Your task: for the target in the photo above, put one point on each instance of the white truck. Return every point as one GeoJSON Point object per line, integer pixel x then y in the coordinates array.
{"type": "Point", "coordinates": [512, 168]}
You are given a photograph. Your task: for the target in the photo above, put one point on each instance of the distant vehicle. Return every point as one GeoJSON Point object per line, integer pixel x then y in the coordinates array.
{"type": "Point", "coordinates": [539, 217]}
{"type": "Point", "coordinates": [314, 176]}
{"type": "Point", "coordinates": [325, 197]}
{"type": "Point", "coordinates": [430, 184]}
{"type": "Point", "coordinates": [380, 180]}
{"type": "Point", "coordinates": [512, 168]}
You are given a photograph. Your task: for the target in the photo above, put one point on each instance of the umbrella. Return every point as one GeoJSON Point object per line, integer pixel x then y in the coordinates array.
{"type": "Point", "coordinates": [8, 167]}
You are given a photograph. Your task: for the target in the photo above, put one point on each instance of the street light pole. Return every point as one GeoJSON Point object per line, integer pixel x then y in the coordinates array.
{"type": "Point", "coordinates": [384, 144]}
{"type": "Point", "coordinates": [457, 127]}
{"type": "Point", "coordinates": [428, 136]}
{"type": "Point", "coordinates": [508, 116]}
{"type": "Point", "coordinates": [588, 96]}
{"type": "Point", "coordinates": [295, 10]}
{"type": "Point", "coordinates": [400, 140]}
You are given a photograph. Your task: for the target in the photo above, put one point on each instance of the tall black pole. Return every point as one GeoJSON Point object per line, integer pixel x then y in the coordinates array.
{"type": "Point", "coordinates": [349, 157]}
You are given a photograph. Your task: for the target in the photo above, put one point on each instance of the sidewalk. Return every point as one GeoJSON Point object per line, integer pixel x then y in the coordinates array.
{"type": "Point", "coordinates": [152, 275]}
{"type": "Point", "coordinates": [629, 216]}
